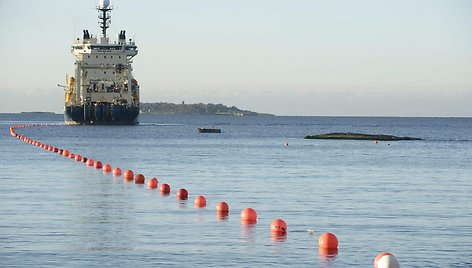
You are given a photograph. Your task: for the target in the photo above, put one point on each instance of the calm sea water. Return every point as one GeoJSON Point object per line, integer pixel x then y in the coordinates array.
{"type": "Point", "coordinates": [411, 198]}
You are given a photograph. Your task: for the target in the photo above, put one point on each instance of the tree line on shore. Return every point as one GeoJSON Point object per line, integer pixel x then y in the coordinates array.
{"type": "Point", "coordinates": [192, 109]}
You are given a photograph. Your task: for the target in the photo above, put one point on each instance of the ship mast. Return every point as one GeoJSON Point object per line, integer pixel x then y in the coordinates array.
{"type": "Point", "coordinates": [104, 15]}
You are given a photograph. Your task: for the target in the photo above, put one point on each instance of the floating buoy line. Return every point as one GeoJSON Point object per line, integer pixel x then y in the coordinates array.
{"type": "Point", "coordinates": [327, 243]}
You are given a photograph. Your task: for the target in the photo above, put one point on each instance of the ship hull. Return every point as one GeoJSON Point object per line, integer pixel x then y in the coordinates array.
{"type": "Point", "coordinates": [101, 114]}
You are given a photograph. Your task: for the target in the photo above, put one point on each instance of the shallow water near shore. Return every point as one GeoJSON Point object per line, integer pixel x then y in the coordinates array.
{"type": "Point", "coordinates": [411, 198]}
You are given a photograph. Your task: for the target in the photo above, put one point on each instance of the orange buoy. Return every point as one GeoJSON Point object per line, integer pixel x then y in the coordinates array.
{"type": "Point", "coordinates": [278, 226]}
{"type": "Point", "coordinates": [386, 260]}
{"type": "Point", "coordinates": [59, 151]}
{"type": "Point", "coordinates": [139, 179]}
{"type": "Point", "coordinates": [65, 152]}
{"type": "Point", "coordinates": [165, 188]}
{"type": "Point", "coordinates": [98, 164]}
{"type": "Point", "coordinates": [117, 171]}
{"type": "Point", "coordinates": [222, 207]}
{"type": "Point", "coordinates": [78, 157]}
{"type": "Point", "coordinates": [328, 240]}
{"type": "Point", "coordinates": [107, 168]}
{"type": "Point", "coordinates": [200, 201]}
{"type": "Point", "coordinates": [249, 215]}
{"type": "Point", "coordinates": [71, 156]}
{"type": "Point", "coordinates": [182, 194]}
{"type": "Point", "coordinates": [129, 175]}
{"type": "Point", "coordinates": [89, 162]}
{"type": "Point", "coordinates": [152, 183]}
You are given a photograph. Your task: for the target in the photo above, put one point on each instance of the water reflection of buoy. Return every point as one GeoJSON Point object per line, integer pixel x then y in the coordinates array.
{"type": "Point", "coordinates": [278, 237]}
{"type": "Point", "coordinates": [327, 253]}
{"type": "Point", "coordinates": [182, 194]}
{"type": "Point", "coordinates": [386, 260]}
{"type": "Point", "coordinates": [248, 231]}
{"type": "Point", "coordinates": [248, 215]}
{"type": "Point", "coordinates": [222, 215]}
{"type": "Point", "coordinates": [200, 201]}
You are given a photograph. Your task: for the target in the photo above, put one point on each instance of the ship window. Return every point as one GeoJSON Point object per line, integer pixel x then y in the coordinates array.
{"type": "Point", "coordinates": [105, 72]}
{"type": "Point", "coordinates": [96, 57]}
{"type": "Point", "coordinates": [113, 72]}
{"type": "Point", "coordinates": [104, 57]}
{"type": "Point", "coordinates": [111, 57]}
{"type": "Point", "coordinates": [119, 57]}
{"type": "Point", "coordinates": [88, 56]}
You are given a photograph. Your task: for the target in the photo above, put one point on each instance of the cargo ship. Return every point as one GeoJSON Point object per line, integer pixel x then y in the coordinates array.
{"type": "Point", "coordinates": [103, 89]}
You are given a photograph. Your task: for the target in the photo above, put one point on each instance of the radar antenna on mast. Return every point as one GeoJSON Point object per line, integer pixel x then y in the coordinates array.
{"type": "Point", "coordinates": [104, 15]}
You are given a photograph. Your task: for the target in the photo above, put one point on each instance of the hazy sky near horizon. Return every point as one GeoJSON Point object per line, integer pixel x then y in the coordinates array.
{"type": "Point", "coordinates": [286, 57]}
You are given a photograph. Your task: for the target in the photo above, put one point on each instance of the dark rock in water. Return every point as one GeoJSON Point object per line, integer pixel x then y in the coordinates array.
{"type": "Point", "coordinates": [359, 136]}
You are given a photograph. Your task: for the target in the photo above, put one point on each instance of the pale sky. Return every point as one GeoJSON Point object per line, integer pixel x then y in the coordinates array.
{"type": "Point", "coordinates": [286, 57]}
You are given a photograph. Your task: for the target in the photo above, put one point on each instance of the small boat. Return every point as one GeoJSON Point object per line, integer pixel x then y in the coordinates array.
{"type": "Point", "coordinates": [208, 130]}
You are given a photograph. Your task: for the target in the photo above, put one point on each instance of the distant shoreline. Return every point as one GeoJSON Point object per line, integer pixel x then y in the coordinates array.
{"type": "Point", "coordinates": [267, 114]}
{"type": "Point", "coordinates": [165, 108]}
{"type": "Point", "coordinates": [37, 113]}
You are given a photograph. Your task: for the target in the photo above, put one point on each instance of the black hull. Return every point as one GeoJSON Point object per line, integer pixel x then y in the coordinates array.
{"type": "Point", "coordinates": [101, 114]}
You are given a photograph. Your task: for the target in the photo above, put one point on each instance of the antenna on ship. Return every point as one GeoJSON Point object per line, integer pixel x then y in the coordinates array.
{"type": "Point", "coordinates": [104, 15]}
